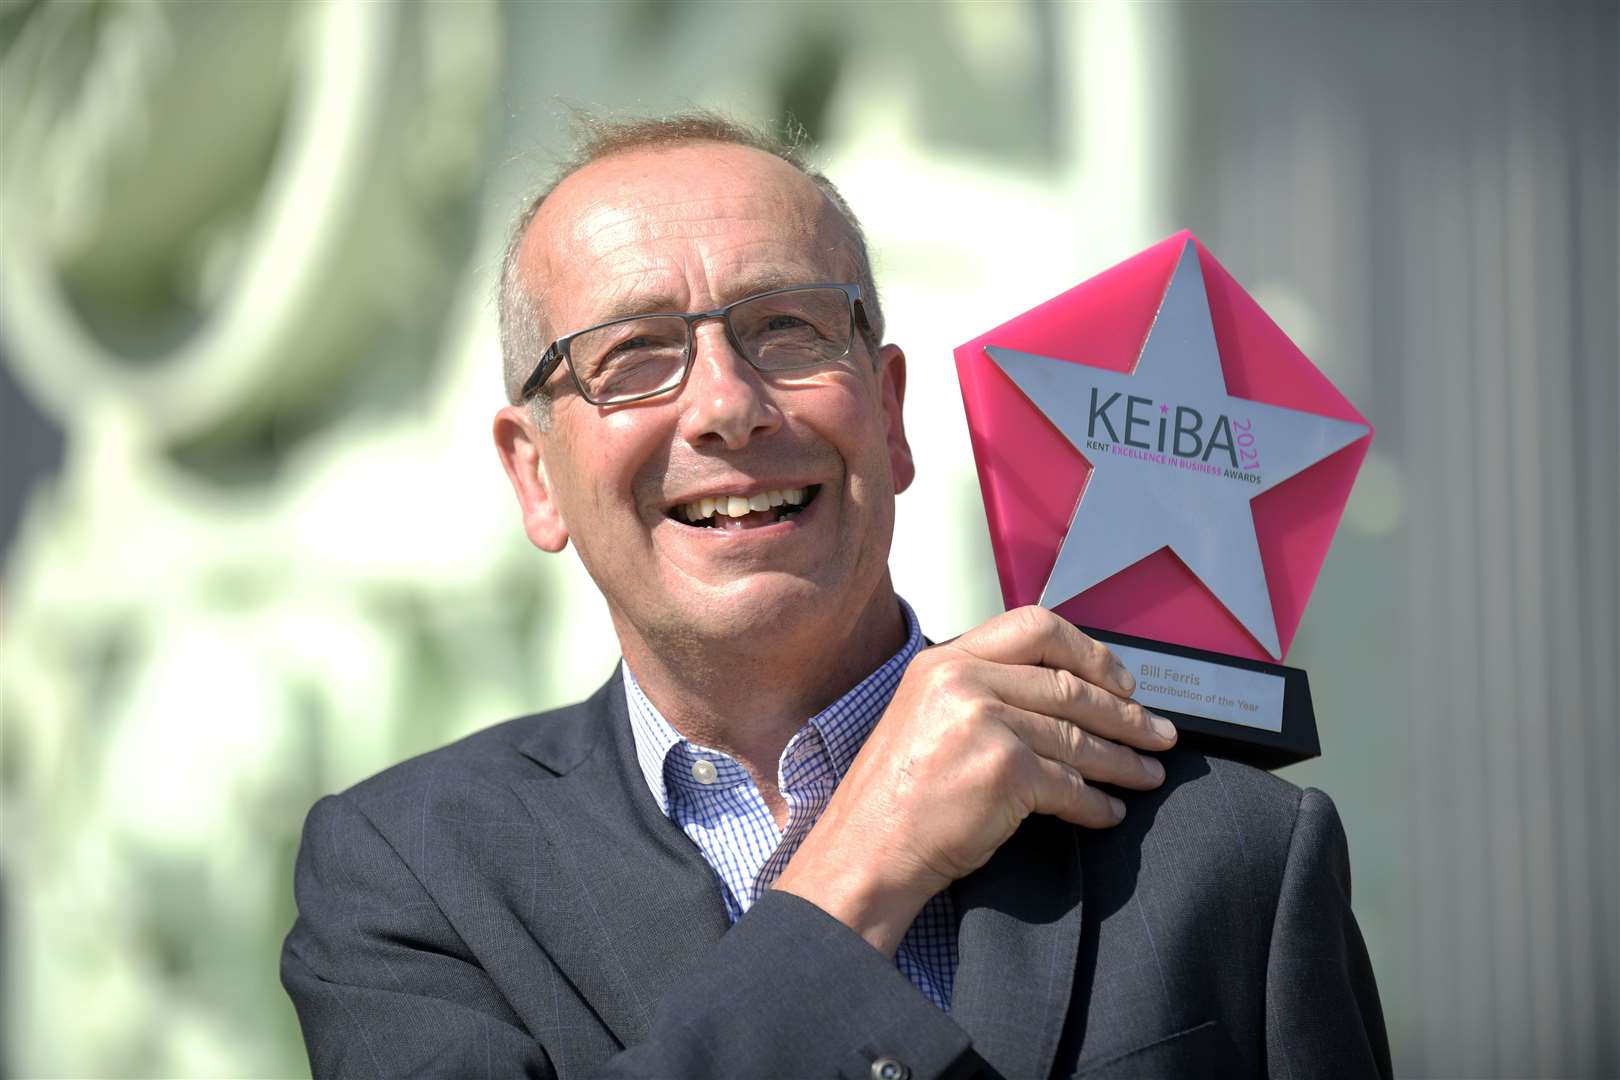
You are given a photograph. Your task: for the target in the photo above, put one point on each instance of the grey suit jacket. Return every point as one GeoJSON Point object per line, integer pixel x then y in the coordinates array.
{"type": "Point", "coordinates": [516, 904]}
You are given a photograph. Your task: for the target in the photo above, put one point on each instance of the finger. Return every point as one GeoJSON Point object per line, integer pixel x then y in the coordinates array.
{"type": "Point", "coordinates": [1066, 696]}
{"type": "Point", "coordinates": [1034, 635]}
{"type": "Point", "coordinates": [1064, 793]}
{"type": "Point", "coordinates": [1097, 760]}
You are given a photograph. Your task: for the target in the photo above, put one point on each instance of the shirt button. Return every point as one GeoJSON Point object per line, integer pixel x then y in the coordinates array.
{"type": "Point", "coordinates": [887, 1068]}
{"type": "Point", "coordinates": [703, 771]}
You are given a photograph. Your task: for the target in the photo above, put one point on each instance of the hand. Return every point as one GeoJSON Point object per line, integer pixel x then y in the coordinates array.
{"type": "Point", "coordinates": [1012, 718]}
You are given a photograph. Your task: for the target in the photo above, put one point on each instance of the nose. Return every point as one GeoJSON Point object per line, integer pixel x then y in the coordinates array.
{"type": "Point", "coordinates": [725, 400]}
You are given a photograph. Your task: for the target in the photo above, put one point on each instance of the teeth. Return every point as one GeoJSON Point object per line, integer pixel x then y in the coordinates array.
{"type": "Point", "coordinates": [737, 505]}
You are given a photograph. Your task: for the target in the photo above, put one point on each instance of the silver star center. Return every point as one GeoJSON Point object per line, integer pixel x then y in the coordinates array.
{"type": "Point", "coordinates": [1174, 458]}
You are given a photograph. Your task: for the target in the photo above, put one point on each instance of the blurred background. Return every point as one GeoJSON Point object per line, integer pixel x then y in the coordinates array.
{"type": "Point", "coordinates": [256, 544]}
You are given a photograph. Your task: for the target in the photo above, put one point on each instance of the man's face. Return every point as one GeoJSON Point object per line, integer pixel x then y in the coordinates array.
{"type": "Point", "coordinates": [687, 229]}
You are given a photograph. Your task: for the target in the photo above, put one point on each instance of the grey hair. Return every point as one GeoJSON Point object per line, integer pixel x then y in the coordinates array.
{"type": "Point", "coordinates": [595, 138]}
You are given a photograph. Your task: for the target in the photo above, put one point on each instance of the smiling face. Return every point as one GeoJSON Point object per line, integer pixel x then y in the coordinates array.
{"type": "Point", "coordinates": [691, 228]}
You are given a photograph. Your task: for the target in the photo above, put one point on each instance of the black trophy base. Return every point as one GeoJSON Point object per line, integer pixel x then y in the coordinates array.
{"type": "Point", "coordinates": [1230, 706]}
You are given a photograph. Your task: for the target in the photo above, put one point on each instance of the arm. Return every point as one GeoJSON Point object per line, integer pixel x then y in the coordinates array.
{"type": "Point", "coordinates": [792, 991]}
{"type": "Point", "coordinates": [1323, 1016]}
{"type": "Point", "coordinates": [384, 986]}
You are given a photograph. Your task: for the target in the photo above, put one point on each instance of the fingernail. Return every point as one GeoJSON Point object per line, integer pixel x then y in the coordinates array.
{"type": "Point", "coordinates": [1123, 676]}
{"type": "Point", "coordinates": [1152, 767]}
{"type": "Point", "coordinates": [1118, 807]}
{"type": "Point", "coordinates": [1164, 727]}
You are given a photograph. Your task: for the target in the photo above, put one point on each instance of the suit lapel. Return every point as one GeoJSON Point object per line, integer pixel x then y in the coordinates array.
{"type": "Point", "coordinates": [628, 903]}
{"type": "Point", "coordinates": [1017, 947]}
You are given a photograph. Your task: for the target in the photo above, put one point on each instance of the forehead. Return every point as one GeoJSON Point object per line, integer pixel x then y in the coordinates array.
{"type": "Point", "coordinates": [676, 229]}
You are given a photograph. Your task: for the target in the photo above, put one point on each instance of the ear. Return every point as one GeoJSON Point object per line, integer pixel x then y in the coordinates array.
{"type": "Point", "coordinates": [519, 442]}
{"type": "Point", "coordinates": [892, 387]}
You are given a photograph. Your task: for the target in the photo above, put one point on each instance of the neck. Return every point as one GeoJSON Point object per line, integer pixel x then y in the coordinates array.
{"type": "Point", "coordinates": [748, 698]}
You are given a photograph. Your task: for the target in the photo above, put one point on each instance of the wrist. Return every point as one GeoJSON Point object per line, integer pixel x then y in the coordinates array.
{"type": "Point", "coordinates": [877, 906]}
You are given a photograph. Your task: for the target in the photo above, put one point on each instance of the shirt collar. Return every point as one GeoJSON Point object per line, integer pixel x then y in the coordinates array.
{"type": "Point", "coordinates": [843, 725]}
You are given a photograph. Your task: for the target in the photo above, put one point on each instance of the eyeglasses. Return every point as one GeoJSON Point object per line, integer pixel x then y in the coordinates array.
{"type": "Point", "coordinates": [645, 355]}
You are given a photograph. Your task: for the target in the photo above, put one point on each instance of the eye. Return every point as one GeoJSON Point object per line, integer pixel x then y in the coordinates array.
{"type": "Point", "coordinates": [784, 322]}
{"type": "Point", "coordinates": [630, 345]}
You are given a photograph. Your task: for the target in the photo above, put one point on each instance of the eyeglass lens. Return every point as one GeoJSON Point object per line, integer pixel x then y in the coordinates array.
{"type": "Point", "coordinates": [776, 332]}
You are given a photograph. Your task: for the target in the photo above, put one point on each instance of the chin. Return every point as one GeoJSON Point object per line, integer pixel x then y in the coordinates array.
{"type": "Point", "coordinates": [755, 615]}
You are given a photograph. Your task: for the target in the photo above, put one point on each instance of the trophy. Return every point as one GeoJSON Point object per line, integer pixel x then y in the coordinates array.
{"type": "Point", "coordinates": [1162, 467]}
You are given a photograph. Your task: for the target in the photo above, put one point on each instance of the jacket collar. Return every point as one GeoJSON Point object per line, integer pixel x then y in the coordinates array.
{"type": "Point", "coordinates": [570, 736]}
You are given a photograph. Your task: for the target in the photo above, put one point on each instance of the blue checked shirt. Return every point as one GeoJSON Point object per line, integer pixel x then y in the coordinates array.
{"type": "Point", "coordinates": [715, 802]}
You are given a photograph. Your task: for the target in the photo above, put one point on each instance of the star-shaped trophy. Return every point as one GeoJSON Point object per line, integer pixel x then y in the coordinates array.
{"type": "Point", "coordinates": [1164, 468]}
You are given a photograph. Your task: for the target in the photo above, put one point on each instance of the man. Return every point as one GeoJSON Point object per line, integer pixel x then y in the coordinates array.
{"type": "Point", "coordinates": [784, 839]}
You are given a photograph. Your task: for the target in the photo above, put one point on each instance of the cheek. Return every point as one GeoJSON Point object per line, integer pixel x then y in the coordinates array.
{"type": "Point", "coordinates": [845, 410]}
{"type": "Point", "coordinates": [603, 454]}
{"type": "Point", "coordinates": [855, 434]}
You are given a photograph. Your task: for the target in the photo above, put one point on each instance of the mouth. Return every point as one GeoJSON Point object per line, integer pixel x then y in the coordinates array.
{"type": "Point", "coordinates": [736, 512]}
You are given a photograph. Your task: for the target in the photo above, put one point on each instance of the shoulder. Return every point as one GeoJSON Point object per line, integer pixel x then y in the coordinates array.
{"type": "Point", "coordinates": [1203, 789]}
{"type": "Point", "coordinates": [1197, 874]}
{"type": "Point", "coordinates": [1227, 827]}
{"type": "Point", "coordinates": [481, 775]}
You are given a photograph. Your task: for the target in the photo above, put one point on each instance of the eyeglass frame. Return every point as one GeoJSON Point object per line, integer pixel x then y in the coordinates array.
{"type": "Point", "coordinates": [558, 351]}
